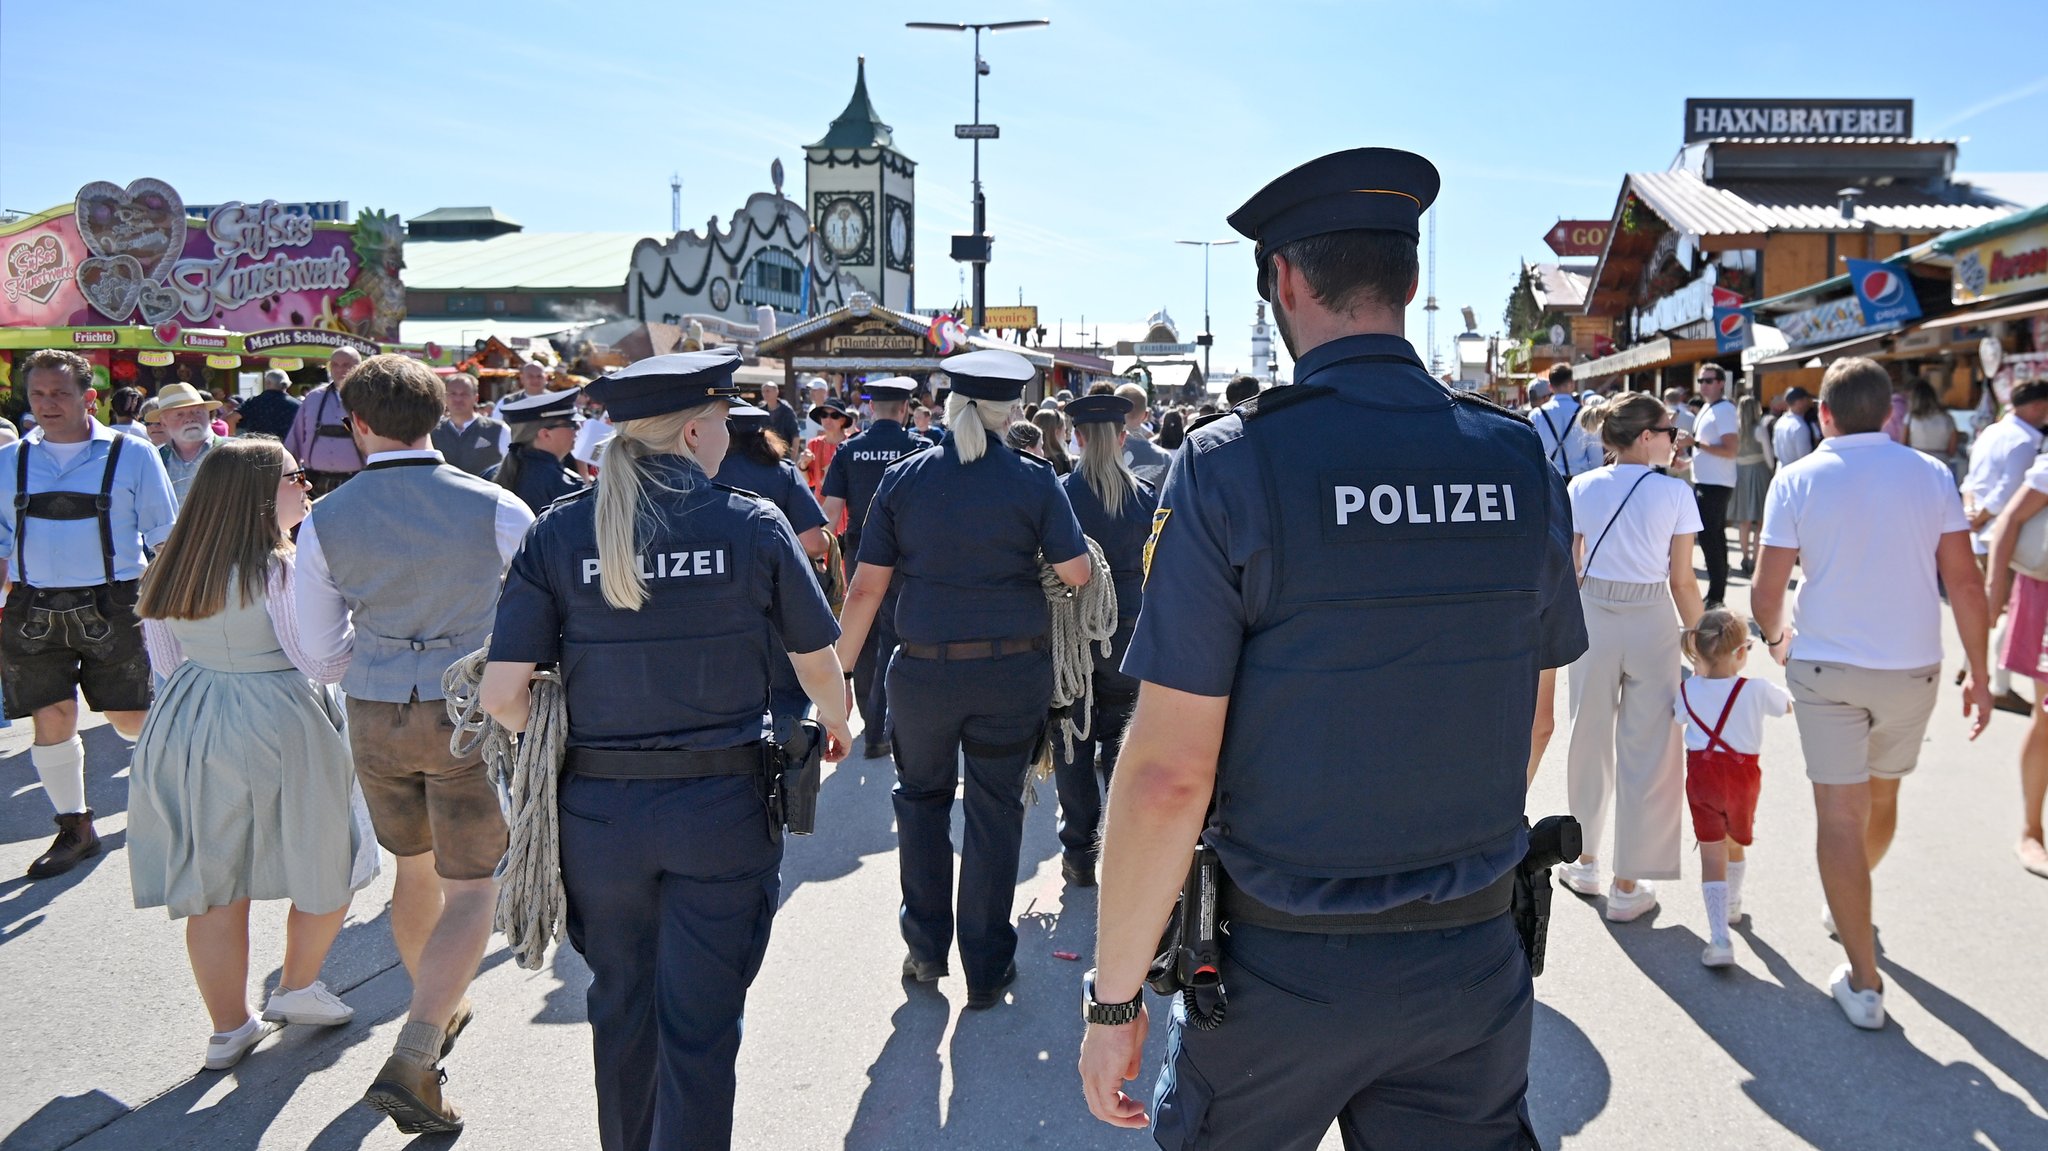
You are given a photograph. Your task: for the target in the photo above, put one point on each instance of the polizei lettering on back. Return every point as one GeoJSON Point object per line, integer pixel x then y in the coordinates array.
{"type": "Point", "coordinates": [700, 564]}
{"type": "Point", "coordinates": [1361, 507]}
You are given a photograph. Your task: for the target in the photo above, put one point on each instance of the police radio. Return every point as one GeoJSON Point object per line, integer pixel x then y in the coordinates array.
{"type": "Point", "coordinates": [1190, 960]}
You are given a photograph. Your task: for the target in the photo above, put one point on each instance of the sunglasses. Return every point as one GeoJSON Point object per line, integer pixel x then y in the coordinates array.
{"type": "Point", "coordinates": [298, 478]}
{"type": "Point", "coordinates": [1670, 430]}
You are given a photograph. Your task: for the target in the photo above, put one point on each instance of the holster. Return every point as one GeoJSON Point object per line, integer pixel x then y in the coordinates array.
{"type": "Point", "coordinates": [799, 775]}
{"type": "Point", "coordinates": [1552, 841]}
{"type": "Point", "coordinates": [1190, 959]}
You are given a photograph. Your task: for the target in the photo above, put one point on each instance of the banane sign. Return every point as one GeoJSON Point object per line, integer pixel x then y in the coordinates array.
{"type": "Point", "coordinates": [1726, 119]}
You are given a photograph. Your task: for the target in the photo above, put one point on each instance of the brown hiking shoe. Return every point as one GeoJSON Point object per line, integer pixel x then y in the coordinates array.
{"type": "Point", "coordinates": [76, 842]}
{"type": "Point", "coordinates": [410, 1092]}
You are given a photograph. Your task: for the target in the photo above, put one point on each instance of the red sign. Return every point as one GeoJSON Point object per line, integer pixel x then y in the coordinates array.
{"type": "Point", "coordinates": [1578, 237]}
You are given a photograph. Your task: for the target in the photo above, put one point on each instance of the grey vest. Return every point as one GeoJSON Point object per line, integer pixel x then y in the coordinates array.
{"type": "Point", "coordinates": [414, 552]}
{"type": "Point", "coordinates": [474, 449]}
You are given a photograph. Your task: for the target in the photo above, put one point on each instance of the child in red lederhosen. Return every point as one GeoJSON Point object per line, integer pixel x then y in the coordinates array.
{"type": "Point", "coordinates": [1723, 715]}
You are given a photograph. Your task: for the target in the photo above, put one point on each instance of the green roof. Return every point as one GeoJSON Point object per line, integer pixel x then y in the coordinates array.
{"type": "Point", "coordinates": [475, 215]}
{"type": "Point", "coordinates": [1983, 232]}
{"type": "Point", "coordinates": [858, 126]}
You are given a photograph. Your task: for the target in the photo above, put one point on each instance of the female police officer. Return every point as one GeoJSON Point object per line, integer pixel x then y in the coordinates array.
{"type": "Point", "coordinates": [966, 525]}
{"type": "Point", "coordinates": [543, 432]}
{"type": "Point", "coordinates": [1115, 509]}
{"type": "Point", "coordinates": [664, 598]}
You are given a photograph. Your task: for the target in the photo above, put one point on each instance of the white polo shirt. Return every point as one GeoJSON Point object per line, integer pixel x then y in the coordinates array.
{"type": "Point", "coordinates": [1865, 514]}
{"type": "Point", "coordinates": [1999, 458]}
{"type": "Point", "coordinates": [1716, 420]}
{"type": "Point", "coordinates": [1637, 549]}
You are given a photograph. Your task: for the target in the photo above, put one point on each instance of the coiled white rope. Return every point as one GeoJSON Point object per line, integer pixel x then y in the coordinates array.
{"type": "Point", "coordinates": [1082, 618]}
{"type": "Point", "coordinates": [532, 906]}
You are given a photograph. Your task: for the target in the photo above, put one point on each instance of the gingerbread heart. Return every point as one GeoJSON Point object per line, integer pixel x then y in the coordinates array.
{"type": "Point", "coordinates": [159, 302]}
{"type": "Point", "coordinates": [167, 332]}
{"type": "Point", "coordinates": [111, 284]}
{"type": "Point", "coordinates": [39, 264]}
{"type": "Point", "coordinates": [144, 221]}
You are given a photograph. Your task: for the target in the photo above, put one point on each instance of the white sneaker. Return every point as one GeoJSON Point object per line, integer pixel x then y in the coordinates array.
{"type": "Point", "coordinates": [312, 1004]}
{"type": "Point", "coordinates": [1623, 906]}
{"type": "Point", "coordinates": [1582, 878]}
{"type": "Point", "coordinates": [1865, 1009]}
{"type": "Point", "coordinates": [226, 1049]}
{"type": "Point", "coordinates": [1718, 954]}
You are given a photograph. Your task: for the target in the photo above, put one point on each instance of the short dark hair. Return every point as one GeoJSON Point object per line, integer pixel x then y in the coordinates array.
{"type": "Point", "coordinates": [1240, 389]}
{"type": "Point", "coordinates": [1858, 394]}
{"type": "Point", "coordinates": [1560, 374]}
{"type": "Point", "coordinates": [1347, 270]}
{"type": "Point", "coordinates": [59, 360]}
{"type": "Point", "coordinates": [401, 398]}
{"type": "Point", "coordinates": [1102, 388]}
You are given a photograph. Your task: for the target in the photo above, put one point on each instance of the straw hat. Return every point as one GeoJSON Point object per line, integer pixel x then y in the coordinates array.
{"type": "Point", "coordinates": [171, 397]}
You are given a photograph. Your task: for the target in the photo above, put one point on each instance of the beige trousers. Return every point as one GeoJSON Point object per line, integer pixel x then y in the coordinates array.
{"type": "Point", "coordinates": [1625, 753]}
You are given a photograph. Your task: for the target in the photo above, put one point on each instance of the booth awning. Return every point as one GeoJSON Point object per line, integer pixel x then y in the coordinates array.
{"type": "Point", "coordinates": [1825, 353]}
{"type": "Point", "coordinates": [1656, 353]}
{"type": "Point", "coordinates": [1973, 316]}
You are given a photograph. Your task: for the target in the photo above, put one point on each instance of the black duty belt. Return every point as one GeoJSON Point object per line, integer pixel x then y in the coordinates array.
{"type": "Point", "coordinates": [607, 763]}
{"type": "Point", "coordinates": [975, 649]}
{"type": "Point", "coordinates": [65, 506]}
{"type": "Point", "coordinates": [1478, 907]}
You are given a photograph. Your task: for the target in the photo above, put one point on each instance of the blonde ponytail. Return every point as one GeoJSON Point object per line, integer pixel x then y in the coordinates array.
{"type": "Point", "coordinates": [1102, 465]}
{"type": "Point", "coordinates": [621, 489]}
{"type": "Point", "coordinates": [969, 422]}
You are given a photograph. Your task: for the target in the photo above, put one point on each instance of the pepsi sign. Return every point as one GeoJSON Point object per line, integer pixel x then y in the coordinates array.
{"type": "Point", "coordinates": [1884, 292]}
{"type": "Point", "coordinates": [1732, 331]}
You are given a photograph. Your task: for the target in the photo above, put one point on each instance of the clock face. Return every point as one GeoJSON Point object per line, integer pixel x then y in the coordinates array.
{"type": "Point", "coordinates": [845, 227]}
{"type": "Point", "coordinates": [899, 232]}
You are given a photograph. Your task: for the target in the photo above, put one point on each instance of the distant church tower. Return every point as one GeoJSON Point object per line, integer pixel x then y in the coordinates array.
{"type": "Point", "coordinates": [862, 197]}
{"type": "Point", "coordinates": [1262, 347]}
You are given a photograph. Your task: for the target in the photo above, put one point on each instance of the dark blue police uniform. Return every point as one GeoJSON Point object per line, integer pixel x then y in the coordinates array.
{"type": "Point", "coordinates": [783, 486]}
{"type": "Point", "coordinates": [1081, 776]}
{"type": "Point", "coordinates": [541, 478]}
{"type": "Point", "coordinates": [973, 673]}
{"type": "Point", "coordinates": [668, 855]}
{"type": "Point", "coordinates": [1354, 562]}
{"type": "Point", "coordinates": [854, 476]}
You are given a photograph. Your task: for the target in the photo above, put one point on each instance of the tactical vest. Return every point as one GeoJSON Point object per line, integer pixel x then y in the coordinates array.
{"type": "Point", "coordinates": [1380, 718]}
{"type": "Point", "coordinates": [865, 457]}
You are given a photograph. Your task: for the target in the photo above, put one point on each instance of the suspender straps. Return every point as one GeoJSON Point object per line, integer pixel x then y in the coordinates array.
{"type": "Point", "coordinates": [102, 509]}
{"type": "Point", "coordinates": [1714, 732]}
{"type": "Point", "coordinates": [106, 509]}
{"type": "Point", "coordinates": [1556, 442]}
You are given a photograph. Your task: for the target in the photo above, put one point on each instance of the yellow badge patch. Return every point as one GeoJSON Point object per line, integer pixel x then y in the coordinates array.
{"type": "Point", "coordinates": [1152, 541]}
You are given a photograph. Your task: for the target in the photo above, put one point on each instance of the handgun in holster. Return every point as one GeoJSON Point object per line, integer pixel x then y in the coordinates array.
{"type": "Point", "coordinates": [1190, 960]}
{"type": "Point", "coordinates": [1552, 841]}
{"type": "Point", "coordinates": [790, 776]}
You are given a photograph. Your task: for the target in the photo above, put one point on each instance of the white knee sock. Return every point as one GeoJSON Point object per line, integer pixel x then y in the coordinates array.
{"type": "Point", "coordinates": [1717, 912]}
{"type": "Point", "coordinates": [61, 767]}
{"type": "Point", "coordinates": [1735, 881]}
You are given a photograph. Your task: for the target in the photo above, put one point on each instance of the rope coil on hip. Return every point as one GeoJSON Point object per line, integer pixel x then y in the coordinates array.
{"type": "Point", "coordinates": [1082, 618]}
{"type": "Point", "coordinates": [532, 905]}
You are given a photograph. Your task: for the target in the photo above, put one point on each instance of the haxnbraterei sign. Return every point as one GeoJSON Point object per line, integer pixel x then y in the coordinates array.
{"type": "Point", "coordinates": [1736, 119]}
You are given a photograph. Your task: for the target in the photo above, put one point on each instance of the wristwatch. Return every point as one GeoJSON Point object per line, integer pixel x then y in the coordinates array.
{"type": "Point", "coordinates": [1108, 1014]}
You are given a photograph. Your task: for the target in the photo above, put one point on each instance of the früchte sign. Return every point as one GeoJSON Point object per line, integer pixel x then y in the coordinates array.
{"type": "Point", "coordinates": [1735, 119]}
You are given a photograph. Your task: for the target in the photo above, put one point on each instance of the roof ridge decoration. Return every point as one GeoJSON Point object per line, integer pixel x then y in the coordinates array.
{"type": "Point", "coordinates": [858, 126]}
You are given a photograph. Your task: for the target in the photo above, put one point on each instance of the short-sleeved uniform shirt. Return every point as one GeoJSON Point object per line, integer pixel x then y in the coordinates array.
{"type": "Point", "coordinates": [1636, 548]}
{"type": "Point", "coordinates": [965, 540]}
{"type": "Point", "coordinates": [781, 485]}
{"type": "Point", "coordinates": [1121, 534]}
{"type": "Point", "coordinates": [855, 473]}
{"type": "Point", "coordinates": [726, 580]}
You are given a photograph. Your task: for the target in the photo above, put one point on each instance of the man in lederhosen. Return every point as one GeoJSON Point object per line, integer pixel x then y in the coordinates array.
{"type": "Point", "coordinates": [85, 502]}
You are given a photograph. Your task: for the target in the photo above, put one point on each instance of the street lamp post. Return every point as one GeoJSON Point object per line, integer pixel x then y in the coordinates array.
{"type": "Point", "coordinates": [1208, 340]}
{"type": "Point", "coordinates": [976, 249]}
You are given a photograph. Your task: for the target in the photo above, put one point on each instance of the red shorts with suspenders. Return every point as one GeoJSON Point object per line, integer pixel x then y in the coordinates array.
{"type": "Point", "coordinates": [1721, 784]}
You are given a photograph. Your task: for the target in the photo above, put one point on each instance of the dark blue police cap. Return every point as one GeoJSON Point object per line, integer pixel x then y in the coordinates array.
{"type": "Point", "coordinates": [661, 384]}
{"type": "Point", "coordinates": [1360, 190]}
{"type": "Point", "coordinates": [894, 389]}
{"type": "Point", "coordinates": [525, 409]}
{"type": "Point", "coordinates": [989, 375]}
{"type": "Point", "coordinates": [1106, 409]}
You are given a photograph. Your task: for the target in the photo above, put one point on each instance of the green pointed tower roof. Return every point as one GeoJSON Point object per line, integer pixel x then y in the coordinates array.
{"type": "Point", "coordinates": [858, 126]}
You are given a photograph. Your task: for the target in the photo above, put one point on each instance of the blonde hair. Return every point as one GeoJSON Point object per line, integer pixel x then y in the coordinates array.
{"type": "Point", "coordinates": [970, 421]}
{"type": "Point", "coordinates": [1102, 465]}
{"type": "Point", "coordinates": [621, 493]}
{"type": "Point", "coordinates": [1718, 636]}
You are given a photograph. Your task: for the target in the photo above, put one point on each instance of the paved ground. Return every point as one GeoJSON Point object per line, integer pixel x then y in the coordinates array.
{"type": "Point", "coordinates": [1637, 1046]}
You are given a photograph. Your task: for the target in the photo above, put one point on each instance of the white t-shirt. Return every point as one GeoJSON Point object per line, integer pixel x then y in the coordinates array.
{"type": "Point", "coordinates": [1638, 548]}
{"type": "Point", "coordinates": [1865, 515]}
{"type": "Point", "coordinates": [1744, 731]}
{"type": "Point", "coordinates": [1716, 420]}
{"type": "Point", "coordinates": [1999, 458]}
{"type": "Point", "coordinates": [2037, 475]}
{"type": "Point", "coordinates": [1793, 439]}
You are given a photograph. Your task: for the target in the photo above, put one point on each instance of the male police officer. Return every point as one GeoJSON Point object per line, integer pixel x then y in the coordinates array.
{"type": "Point", "coordinates": [1339, 564]}
{"type": "Point", "coordinates": [850, 483]}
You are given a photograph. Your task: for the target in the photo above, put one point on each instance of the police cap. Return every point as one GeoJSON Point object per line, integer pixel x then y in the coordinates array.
{"type": "Point", "coordinates": [989, 375]}
{"type": "Point", "coordinates": [1362, 189]}
{"type": "Point", "coordinates": [746, 415]}
{"type": "Point", "coordinates": [1104, 409]}
{"type": "Point", "coordinates": [891, 390]}
{"type": "Point", "coordinates": [661, 384]}
{"type": "Point", "coordinates": [546, 406]}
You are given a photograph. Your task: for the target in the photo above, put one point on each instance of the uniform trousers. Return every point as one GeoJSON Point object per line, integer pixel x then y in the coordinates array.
{"type": "Point", "coordinates": [1083, 777]}
{"type": "Point", "coordinates": [672, 886]}
{"type": "Point", "coordinates": [1625, 752]}
{"type": "Point", "coordinates": [992, 710]}
{"type": "Point", "coordinates": [1408, 1041]}
{"type": "Point", "coordinates": [870, 672]}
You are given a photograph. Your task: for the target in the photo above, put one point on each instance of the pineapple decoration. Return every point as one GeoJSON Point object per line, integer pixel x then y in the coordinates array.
{"type": "Point", "coordinates": [375, 302]}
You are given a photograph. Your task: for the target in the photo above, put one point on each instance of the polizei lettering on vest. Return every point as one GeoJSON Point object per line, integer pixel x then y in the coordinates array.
{"type": "Point", "coordinates": [695, 563]}
{"type": "Point", "coordinates": [1446, 503]}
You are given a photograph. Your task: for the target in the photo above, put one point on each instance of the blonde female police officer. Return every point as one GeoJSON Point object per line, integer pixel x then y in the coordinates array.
{"type": "Point", "coordinates": [965, 525]}
{"type": "Point", "coordinates": [1115, 510]}
{"type": "Point", "coordinates": [1353, 585]}
{"type": "Point", "coordinates": [664, 597]}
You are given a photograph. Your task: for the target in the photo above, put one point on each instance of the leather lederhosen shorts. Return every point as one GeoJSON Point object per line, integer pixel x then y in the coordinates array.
{"type": "Point", "coordinates": [58, 641]}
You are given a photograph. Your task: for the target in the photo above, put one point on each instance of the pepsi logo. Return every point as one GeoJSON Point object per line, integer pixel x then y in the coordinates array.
{"type": "Point", "coordinates": [1731, 324]}
{"type": "Point", "coordinates": [1882, 287]}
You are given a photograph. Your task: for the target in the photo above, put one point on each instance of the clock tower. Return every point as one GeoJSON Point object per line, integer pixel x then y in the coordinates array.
{"type": "Point", "coordinates": [862, 198]}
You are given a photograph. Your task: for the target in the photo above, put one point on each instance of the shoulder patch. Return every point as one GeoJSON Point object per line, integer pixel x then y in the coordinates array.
{"type": "Point", "coordinates": [1273, 399]}
{"type": "Point", "coordinates": [1479, 401]}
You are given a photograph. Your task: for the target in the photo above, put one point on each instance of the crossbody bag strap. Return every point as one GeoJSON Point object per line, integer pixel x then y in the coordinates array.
{"type": "Point", "coordinates": [106, 508]}
{"type": "Point", "coordinates": [1611, 521]}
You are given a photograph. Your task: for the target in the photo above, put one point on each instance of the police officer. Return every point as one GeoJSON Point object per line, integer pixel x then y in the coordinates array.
{"type": "Point", "coordinates": [83, 502]}
{"type": "Point", "coordinates": [543, 429]}
{"type": "Point", "coordinates": [850, 485]}
{"type": "Point", "coordinates": [1115, 509]}
{"type": "Point", "coordinates": [664, 596]}
{"type": "Point", "coordinates": [1333, 568]}
{"type": "Point", "coordinates": [966, 526]}
{"type": "Point", "coordinates": [753, 463]}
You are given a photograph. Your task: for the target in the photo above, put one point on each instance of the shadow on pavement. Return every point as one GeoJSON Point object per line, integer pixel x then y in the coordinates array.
{"type": "Point", "coordinates": [22, 900]}
{"type": "Point", "coordinates": [1836, 1088]}
{"type": "Point", "coordinates": [1569, 1083]}
{"type": "Point", "coordinates": [26, 815]}
{"type": "Point", "coordinates": [855, 820]}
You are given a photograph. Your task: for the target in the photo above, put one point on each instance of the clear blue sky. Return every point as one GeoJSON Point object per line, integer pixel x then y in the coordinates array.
{"type": "Point", "coordinates": [1125, 125]}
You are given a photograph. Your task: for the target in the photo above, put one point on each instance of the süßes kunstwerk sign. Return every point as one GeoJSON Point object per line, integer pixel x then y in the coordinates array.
{"type": "Point", "coordinates": [1707, 119]}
